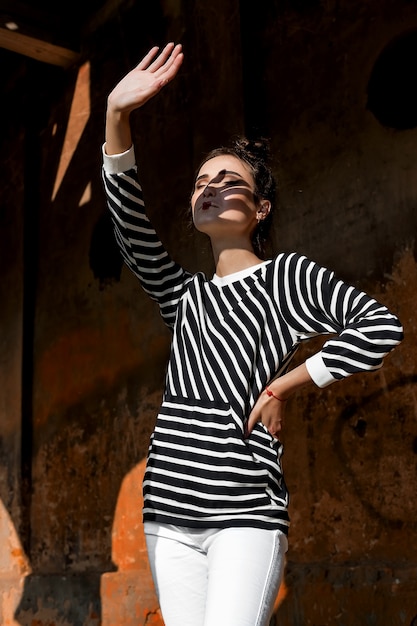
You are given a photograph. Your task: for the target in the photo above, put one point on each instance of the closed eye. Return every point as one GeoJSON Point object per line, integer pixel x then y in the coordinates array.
{"type": "Point", "coordinates": [224, 184]}
{"type": "Point", "coordinates": [232, 179]}
{"type": "Point", "coordinates": [233, 183]}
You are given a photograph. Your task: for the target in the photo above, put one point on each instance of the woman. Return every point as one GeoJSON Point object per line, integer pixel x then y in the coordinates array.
{"type": "Point", "coordinates": [215, 511]}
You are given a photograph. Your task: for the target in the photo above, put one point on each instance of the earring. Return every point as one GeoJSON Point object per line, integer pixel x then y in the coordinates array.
{"type": "Point", "coordinates": [261, 213]}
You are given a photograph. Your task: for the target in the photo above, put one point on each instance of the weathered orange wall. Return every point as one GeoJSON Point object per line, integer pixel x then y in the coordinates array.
{"type": "Point", "coordinates": [83, 351]}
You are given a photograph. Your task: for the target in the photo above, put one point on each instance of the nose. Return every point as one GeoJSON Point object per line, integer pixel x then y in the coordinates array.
{"type": "Point", "coordinates": [209, 190]}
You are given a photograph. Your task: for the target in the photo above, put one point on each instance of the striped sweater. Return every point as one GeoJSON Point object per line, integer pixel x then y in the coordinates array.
{"type": "Point", "coordinates": [231, 336]}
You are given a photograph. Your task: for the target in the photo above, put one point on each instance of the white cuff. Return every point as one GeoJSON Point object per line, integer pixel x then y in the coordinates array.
{"type": "Point", "coordinates": [119, 163]}
{"type": "Point", "coordinates": [318, 371]}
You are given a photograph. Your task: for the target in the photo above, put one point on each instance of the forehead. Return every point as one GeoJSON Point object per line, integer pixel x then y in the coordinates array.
{"type": "Point", "coordinates": [213, 166]}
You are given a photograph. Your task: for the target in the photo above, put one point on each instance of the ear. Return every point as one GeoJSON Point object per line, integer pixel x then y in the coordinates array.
{"type": "Point", "coordinates": [264, 209]}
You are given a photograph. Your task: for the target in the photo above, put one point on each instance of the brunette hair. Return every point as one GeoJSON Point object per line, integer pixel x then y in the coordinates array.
{"type": "Point", "coordinates": [256, 154]}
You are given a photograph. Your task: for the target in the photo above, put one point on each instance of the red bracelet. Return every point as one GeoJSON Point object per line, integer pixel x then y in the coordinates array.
{"type": "Point", "coordinates": [271, 393]}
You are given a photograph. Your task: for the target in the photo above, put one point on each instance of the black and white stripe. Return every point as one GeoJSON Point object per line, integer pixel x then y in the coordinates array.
{"type": "Point", "coordinates": [228, 342]}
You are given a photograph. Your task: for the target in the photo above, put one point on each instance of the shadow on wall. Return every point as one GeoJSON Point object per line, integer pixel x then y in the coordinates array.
{"type": "Point", "coordinates": [61, 600]}
{"type": "Point", "coordinates": [392, 95]}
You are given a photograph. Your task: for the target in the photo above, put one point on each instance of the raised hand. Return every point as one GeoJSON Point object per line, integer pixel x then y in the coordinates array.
{"type": "Point", "coordinates": [146, 79]}
{"type": "Point", "coordinates": [137, 87]}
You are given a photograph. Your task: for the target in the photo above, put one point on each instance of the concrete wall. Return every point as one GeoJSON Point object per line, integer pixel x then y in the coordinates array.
{"type": "Point", "coordinates": [83, 351]}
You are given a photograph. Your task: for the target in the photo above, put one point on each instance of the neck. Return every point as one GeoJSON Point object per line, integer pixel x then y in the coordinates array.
{"type": "Point", "coordinates": [233, 258]}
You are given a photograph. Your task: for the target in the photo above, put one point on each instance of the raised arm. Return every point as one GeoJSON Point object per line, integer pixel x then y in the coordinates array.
{"type": "Point", "coordinates": [144, 254]}
{"type": "Point", "coordinates": [134, 90]}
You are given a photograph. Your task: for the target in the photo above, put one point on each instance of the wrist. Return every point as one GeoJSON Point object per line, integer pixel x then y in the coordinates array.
{"type": "Point", "coordinates": [115, 114]}
{"type": "Point", "coordinates": [272, 394]}
{"type": "Point", "coordinates": [118, 136]}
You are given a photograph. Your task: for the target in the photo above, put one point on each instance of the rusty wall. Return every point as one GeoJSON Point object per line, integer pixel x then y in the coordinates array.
{"type": "Point", "coordinates": [83, 351]}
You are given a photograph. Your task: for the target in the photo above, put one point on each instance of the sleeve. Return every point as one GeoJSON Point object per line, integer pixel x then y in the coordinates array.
{"type": "Point", "coordinates": [315, 302]}
{"type": "Point", "coordinates": [161, 278]}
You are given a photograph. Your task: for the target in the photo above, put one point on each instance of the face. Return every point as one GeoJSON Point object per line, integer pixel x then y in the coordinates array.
{"type": "Point", "coordinates": [223, 198]}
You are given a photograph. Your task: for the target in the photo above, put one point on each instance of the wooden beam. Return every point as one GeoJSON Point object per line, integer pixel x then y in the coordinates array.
{"type": "Point", "coordinates": [37, 48]}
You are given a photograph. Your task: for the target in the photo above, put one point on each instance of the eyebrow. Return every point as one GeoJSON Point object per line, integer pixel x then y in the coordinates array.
{"type": "Point", "coordinates": [225, 173]}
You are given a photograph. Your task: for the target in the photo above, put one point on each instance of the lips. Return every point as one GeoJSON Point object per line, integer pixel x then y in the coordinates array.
{"type": "Point", "coordinates": [206, 205]}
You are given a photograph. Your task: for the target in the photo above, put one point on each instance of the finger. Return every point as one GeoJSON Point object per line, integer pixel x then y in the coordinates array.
{"type": "Point", "coordinates": [172, 61]}
{"type": "Point", "coordinates": [147, 59]}
{"type": "Point", "coordinates": [275, 428]}
{"type": "Point", "coordinates": [171, 72]}
{"type": "Point", "coordinates": [162, 58]}
{"type": "Point", "coordinates": [250, 424]}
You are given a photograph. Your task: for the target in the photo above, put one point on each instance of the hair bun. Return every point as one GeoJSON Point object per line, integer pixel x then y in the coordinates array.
{"type": "Point", "coordinates": [253, 149]}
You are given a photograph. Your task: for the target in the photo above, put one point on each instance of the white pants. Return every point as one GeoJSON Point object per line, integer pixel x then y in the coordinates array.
{"type": "Point", "coordinates": [227, 577]}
